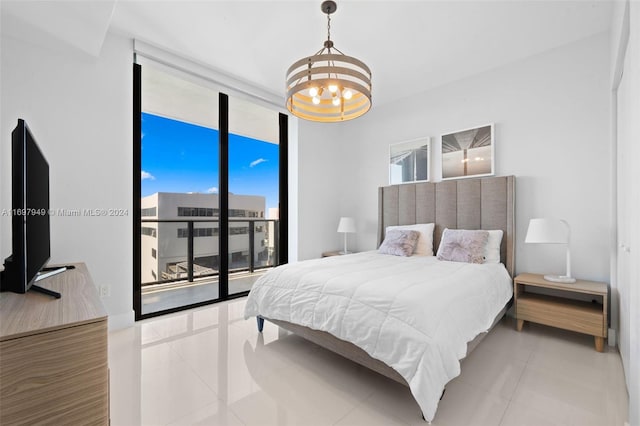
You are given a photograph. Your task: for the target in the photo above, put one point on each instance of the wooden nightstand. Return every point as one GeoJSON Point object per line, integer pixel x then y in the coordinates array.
{"type": "Point", "coordinates": [583, 317]}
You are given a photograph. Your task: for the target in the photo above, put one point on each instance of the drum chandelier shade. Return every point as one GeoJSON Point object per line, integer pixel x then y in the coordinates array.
{"type": "Point", "coordinates": [328, 86]}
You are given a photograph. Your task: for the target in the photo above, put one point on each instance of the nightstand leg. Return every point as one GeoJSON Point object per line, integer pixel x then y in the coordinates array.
{"type": "Point", "coordinates": [519, 324]}
{"type": "Point", "coordinates": [599, 343]}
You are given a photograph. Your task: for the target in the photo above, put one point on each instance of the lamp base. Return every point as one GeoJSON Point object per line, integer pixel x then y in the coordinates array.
{"type": "Point", "coordinates": [345, 252]}
{"type": "Point", "coordinates": [560, 279]}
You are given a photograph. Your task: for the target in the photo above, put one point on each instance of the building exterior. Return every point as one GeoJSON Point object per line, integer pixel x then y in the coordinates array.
{"type": "Point", "coordinates": [164, 244]}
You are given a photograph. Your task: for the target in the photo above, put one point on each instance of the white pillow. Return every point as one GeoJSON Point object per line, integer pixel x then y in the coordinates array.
{"type": "Point", "coordinates": [425, 241]}
{"type": "Point", "coordinates": [492, 249]}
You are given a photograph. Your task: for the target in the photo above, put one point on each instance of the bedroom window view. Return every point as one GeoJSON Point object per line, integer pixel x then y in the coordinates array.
{"type": "Point", "coordinates": [180, 199]}
{"type": "Point", "coordinates": [253, 192]}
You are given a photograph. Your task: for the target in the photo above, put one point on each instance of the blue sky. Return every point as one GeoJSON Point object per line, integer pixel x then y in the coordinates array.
{"type": "Point", "coordinates": [183, 157]}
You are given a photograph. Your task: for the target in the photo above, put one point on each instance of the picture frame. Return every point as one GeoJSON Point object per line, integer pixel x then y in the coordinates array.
{"type": "Point", "coordinates": [468, 153]}
{"type": "Point", "coordinates": [410, 161]}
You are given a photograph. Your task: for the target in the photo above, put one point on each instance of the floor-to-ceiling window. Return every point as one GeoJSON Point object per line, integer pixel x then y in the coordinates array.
{"type": "Point", "coordinates": [254, 166]}
{"type": "Point", "coordinates": [208, 223]}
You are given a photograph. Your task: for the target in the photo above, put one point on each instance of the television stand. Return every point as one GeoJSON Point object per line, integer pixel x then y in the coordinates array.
{"type": "Point", "coordinates": [46, 273]}
{"type": "Point", "coordinates": [46, 291]}
{"type": "Point", "coordinates": [55, 268]}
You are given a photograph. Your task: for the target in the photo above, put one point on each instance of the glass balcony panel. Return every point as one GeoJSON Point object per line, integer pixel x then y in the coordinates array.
{"type": "Point", "coordinates": [182, 279]}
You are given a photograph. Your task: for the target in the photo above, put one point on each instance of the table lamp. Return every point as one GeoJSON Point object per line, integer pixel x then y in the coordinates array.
{"type": "Point", "coordinates": [346, 225]}
{"type": "Point", "coordinates": [551, 231]}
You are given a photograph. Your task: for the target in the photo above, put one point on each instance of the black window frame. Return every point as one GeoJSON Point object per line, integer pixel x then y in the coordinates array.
{"type": "Point", "coordinates": [222, 212]}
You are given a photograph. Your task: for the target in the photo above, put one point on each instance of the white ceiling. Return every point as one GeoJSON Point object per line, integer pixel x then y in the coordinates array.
{"type": "Point", "coordinates": [410, 46]}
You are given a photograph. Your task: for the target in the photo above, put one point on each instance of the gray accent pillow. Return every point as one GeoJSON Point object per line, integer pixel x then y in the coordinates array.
{"type": "Point", "coordinates": [461, 245]}
{"type": "Point", "coordinates": [399, 242]}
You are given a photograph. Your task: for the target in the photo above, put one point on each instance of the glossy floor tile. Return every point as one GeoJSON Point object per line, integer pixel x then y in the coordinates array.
{"type": "Point", "coordinates": [209, 366]}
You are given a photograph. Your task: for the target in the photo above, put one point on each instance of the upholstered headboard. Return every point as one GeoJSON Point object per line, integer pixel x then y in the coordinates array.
{"type": "Point", "coordinates": [481, 203]}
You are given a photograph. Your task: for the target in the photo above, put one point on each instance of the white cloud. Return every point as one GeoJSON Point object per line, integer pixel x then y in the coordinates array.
{"type": "Point", "coordinates": [258, 161]}
{"type": "Point", "coordinates": [212, 190]}
{"type": "Point", "coordinates": [147, 175]}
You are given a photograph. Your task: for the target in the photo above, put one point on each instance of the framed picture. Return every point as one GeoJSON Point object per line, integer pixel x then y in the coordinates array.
{"type": "Point", "coordinates": [410, 161]}
{"type": "Point", "coordinates": [468, 153]}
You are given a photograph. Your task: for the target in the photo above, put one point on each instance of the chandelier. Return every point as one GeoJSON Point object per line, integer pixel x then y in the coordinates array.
{"type": "Point", "coordinates": [328, 86]}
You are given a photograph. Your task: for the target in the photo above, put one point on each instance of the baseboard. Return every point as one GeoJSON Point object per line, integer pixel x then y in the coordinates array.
{"type": "Point", "coordinates": [117, 322]}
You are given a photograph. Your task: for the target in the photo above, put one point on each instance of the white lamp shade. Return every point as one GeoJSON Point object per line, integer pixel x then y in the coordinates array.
{"type": "Point", "coordinates": [547, 231]}
{"type": "Point", "coordinates": [347, 224]}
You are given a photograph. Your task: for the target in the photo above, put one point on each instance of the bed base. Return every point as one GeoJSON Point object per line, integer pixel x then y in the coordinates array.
{"type": "Point", "coordinates": [356, 354]}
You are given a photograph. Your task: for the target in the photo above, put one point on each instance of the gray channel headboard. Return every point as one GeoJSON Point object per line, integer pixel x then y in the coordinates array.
{"type": "Point", "coordinates": [477, 203]}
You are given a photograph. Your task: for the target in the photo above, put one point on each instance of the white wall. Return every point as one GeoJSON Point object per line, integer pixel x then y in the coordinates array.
{"type": "Point", "coordinates": [551, 115]}
{"type": "Point", "coordinates": [79, 109]}
{"type": "Point", "coordinates": [626, 129]}
{"type": "Point", "coordinates": [634, 302]}
{"type": "Point", "coordinates": [320, 171]}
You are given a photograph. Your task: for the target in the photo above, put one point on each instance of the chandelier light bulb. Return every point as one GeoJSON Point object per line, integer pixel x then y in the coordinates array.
{"type": "Point", "coordinates": [313, 92]}
{"type": "Point", "coordinates": [333, 88]}
{"type": "Point", "coordinates": [336, 101]}
{"type": "Point", "coordinates": [347, 94]}
{"type": "Point", "coordinates": [316, 100]}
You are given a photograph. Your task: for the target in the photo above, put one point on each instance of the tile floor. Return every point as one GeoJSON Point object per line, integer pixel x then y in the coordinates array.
{"type": "Point", "coordinates": [209, 366]}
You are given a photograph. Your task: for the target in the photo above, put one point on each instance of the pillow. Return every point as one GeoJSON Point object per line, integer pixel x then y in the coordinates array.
{"type": "Point", "coordinates": [399, 242]}
{"type": "Point", "coordinates": [492, 249]}
{"type": "Point", "coordinates": [424, 246]}
{"type": "Point", "coordinates": [460, 245]}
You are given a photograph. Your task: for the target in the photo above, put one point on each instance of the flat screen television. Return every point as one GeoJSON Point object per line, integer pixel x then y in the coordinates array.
{"type": "Point", "coordinates": [30, 224]}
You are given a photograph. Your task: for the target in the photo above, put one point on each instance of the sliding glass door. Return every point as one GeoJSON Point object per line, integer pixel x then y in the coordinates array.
{"type": "Point", "coordinates": [208, 193]}
{"type": "Point", "coordinates": [253, 192]}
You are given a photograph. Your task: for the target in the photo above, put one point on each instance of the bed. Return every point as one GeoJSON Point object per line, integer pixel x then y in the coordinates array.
{"type": "Point", "coordinates": [363, 306]}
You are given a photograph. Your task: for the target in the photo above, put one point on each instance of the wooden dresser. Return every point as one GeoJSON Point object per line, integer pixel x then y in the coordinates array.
{"type": "Point", "coordinates": [53, 354]}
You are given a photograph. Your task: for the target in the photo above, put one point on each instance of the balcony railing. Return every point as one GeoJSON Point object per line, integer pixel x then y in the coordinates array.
{"type": "Point", "coordinates": [251, 247]}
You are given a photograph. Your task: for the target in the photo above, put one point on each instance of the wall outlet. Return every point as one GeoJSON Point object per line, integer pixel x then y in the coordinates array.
{"type": "Point", "coordinates": [104, 291]}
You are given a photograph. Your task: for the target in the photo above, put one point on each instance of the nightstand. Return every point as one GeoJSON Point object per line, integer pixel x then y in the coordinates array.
{"type": "Point", "coordinates": [333, 253]}
{"type": "Point", "coordinates": [583, 317]}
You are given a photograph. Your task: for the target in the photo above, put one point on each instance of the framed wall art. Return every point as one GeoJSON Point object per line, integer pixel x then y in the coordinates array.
{"type": "Point", "coordinates": [410, 161]}
{"type": "Point", "coordinates": [468, 153]}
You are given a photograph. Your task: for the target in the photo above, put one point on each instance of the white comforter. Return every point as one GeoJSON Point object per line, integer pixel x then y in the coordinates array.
{"type": "Point", "coordinates": [416, 314]}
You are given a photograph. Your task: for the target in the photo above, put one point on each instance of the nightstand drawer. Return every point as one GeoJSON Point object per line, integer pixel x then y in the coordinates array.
{"type": "Point", "coordinates": [583, 317]}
